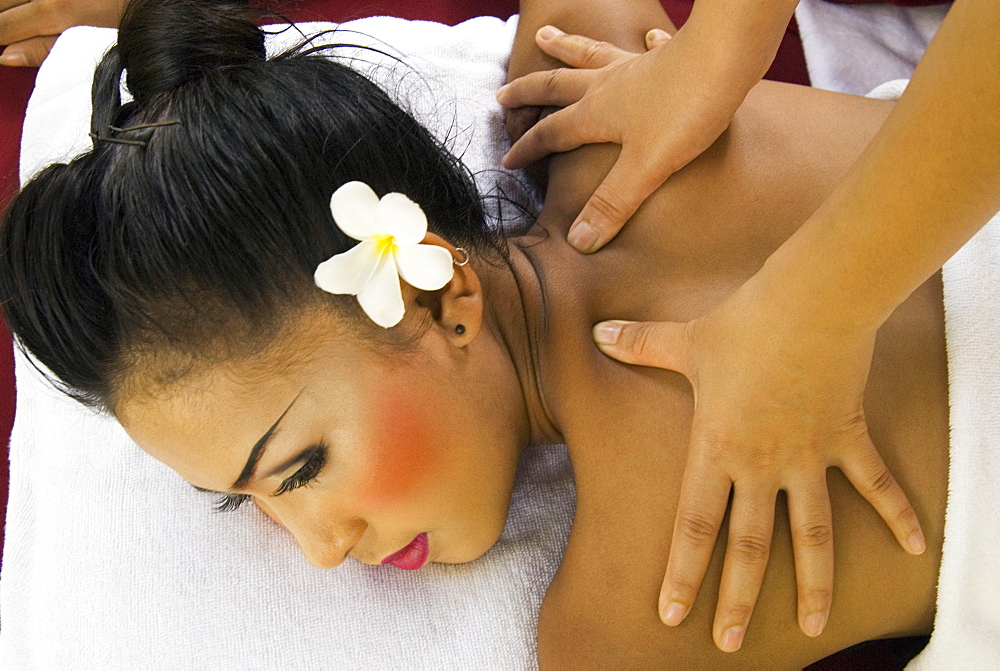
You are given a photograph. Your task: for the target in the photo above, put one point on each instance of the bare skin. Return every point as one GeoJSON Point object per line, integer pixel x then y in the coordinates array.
{"type": "Point", "coordinates": [697, 239]}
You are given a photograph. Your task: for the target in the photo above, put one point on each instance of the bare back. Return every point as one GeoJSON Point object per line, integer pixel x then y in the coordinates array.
{"type": "Point", "coordinates": [706, 231]}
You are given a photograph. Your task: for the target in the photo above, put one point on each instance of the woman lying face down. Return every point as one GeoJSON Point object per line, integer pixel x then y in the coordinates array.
{"type": "Point", "coordinates": [397, 453]}
{"type": "Point", "coordinates": [168, 277]}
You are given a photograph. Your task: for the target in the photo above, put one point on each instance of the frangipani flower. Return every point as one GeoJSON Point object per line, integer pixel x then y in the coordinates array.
{"type": "Point", "coordinates": [390, 231]}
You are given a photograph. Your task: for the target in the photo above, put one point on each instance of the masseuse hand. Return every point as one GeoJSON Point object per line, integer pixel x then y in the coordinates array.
{"type": "Point", "coordinates": [665, 107]}
{"type": "Point", "coordinates": [777, 401]}
{"type": "Point", "coordinates": [30, 27]}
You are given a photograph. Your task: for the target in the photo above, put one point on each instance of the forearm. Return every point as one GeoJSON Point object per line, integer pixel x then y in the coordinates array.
{"type": "Point", "coordinates": [928, 181]}
{"type": "Point", "coordinates": [741, 35]}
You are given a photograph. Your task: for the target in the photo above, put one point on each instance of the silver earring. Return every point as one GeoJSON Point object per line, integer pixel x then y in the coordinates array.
{"type": "Point", "coordinates": [465, 257]}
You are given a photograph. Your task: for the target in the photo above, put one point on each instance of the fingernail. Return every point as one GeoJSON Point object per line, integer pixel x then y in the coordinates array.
{"type": "Point", "coordinates": [656, 34]}
{"type": "Point", "coordinates": [583, 236]}
{"type": "Point", "coordinates": [14, 60]}
{"type": "Point", "coordinates": [814, 624]}
{"type": "Point", "coordinates": [606, 333]}
{"type": "Point", "coordinates": [732, 639]}
{"type": "Point", "coordinates": [500, 91]}
{"type": "Point", "coordinates": [674, 614]}
{"type": "Point", "coordinates": [549, 32]}
{"type": "Point", "coordinates": [917, 543]}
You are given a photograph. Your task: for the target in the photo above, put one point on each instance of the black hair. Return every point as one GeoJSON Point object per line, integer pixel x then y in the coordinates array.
{"type": "Point", "coordinates": [208, 229]}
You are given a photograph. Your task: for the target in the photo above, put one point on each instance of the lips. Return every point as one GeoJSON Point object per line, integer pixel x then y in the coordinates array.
{"type": "Point", "coordinates": [412, 557]}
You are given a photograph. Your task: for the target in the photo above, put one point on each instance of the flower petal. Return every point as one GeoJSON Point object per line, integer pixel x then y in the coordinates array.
{"type": "Point", "coordinates": [382, 298]}
{"type": "Point", "coordinates": [355, 209]}
{"type": "Point", "coordinates": [350, 271]}
{"type": "Point", "coordinates": [426, 267]}
{"type": "Point", "coordinates": [401, 218]}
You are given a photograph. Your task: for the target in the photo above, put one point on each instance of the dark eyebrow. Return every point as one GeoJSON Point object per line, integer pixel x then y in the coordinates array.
{"type": "Point", "coordinates": [258, 451]}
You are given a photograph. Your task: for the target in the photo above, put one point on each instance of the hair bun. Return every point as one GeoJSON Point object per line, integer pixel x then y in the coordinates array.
{"type": "Point", "coordinates": [164, 44]}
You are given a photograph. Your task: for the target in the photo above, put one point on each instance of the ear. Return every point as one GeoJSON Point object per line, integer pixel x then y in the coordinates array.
{"type": "Point", "coordinates": [458, 303]}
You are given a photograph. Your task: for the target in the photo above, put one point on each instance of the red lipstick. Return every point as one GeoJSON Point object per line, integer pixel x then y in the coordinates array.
{"type": "Point", "coordinates": [412, 557]}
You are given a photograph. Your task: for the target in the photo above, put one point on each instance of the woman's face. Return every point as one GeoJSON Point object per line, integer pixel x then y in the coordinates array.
{"type": "Point", "coordinates": [357, 451]}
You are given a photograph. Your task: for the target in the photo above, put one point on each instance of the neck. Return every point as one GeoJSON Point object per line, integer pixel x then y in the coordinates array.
{"type": "Point", "coordinates": [515, 311]}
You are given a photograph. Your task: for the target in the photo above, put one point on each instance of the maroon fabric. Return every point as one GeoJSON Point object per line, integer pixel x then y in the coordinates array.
{"type": "Point", "coordinates": [15, 86]}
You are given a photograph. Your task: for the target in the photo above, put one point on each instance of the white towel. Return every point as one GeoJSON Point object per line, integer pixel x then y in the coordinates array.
{"type": "Point", "coordinates": [112, 562]}
{"type": "Point", "coordinates": [967, 623]}
{"type": "Point", "coordinates": [854, 48]}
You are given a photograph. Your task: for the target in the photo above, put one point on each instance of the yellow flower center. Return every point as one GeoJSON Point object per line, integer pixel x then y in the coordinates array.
{"type": "Point", "coordinates": [386, 244]}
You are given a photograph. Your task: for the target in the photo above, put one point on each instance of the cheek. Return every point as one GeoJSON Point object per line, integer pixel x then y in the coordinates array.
{"type": "Point", "coordinates": [266, 509]}
{"type": "Point", "coordinates": [403, 453]}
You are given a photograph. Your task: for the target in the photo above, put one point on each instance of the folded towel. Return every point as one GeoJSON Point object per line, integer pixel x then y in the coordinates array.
{"type": "Point", "coordinates": [854, 48]}
{"type": "Point", "coordinates": [967, 623]}
{"type": "Point", "coordinates": [113, 562]}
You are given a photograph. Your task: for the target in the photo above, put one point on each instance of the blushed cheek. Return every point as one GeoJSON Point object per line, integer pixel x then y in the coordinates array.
{"type": "Point", "coordinates": [403, 450]}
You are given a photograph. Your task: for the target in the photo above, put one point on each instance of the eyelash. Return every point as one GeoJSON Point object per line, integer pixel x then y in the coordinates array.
{"type": "Point", "coordinates": [307, 473]}
{"type": "Point", "coordinates": [227, 503]}
{"type": "Point", "coordinates": [315, 460]}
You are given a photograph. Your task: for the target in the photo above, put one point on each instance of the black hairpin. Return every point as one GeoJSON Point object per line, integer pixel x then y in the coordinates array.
{"type": "Point", "coordinates": [135, 143]}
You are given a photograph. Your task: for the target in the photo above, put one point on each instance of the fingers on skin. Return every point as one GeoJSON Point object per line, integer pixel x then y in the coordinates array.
{"type": "Point", "coordinates": [519, 120]}
{"type": "Point", "coordinates": [576, 50]}
{"type": "Point", "coordinates": [7, 4]}
{"type": "Point", "coordinates": [660, 344]}
{"type": "Point", "coordinates": [557, 132]}
{"type": "Point", "coordinates": [28, 53]}
{"type": "Point", "coordinates": [751, 525]}
{"type": "Point", "coordinates": [812, 543]}
{"type": "Point", "coordinates": [871, 477]}
{"type": "Point", "coordinates": [656, 37]}
{"type": "Point", "coordinates": [560, 87]}
{"type": "Point", "coordinates": [31, 19]}
{"type": "Point", "coordinates": [703, 501]}
{"type": "Point", "coordinates": [631, 180]}
{"type": "Point", "coordinates": [18, 22]}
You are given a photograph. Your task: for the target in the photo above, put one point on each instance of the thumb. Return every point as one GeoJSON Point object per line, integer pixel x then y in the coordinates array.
{"type": "Point", "coordinates": [28, 53]}
{"type": "Point", "coordinates": [659, 344]}
{"type": "Point", "coordinates": [656, 37]}
{"type": "Point", "coordinates": [629, 182]}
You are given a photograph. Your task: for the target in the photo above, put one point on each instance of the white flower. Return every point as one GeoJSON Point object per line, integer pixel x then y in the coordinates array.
{"type": "Point", "coordinates": [390, 231]}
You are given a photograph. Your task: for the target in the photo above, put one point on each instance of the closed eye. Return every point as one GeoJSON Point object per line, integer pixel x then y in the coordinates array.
{"type": "Point", "coordinates": [314, 460]}
{"type": "Point", "coordinates": [226, 502]}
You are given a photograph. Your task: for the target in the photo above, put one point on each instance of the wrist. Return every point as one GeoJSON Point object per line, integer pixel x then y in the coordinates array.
{"type": "Point", "coordinates": [806, 288]}
{"type": "Point", "coordinates": [741, 37]}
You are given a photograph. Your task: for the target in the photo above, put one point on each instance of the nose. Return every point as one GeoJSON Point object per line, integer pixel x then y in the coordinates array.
{"type": "Point", "coordinates": [324, 541]}
{"type": "Point", "coordinates": [330, 545]}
